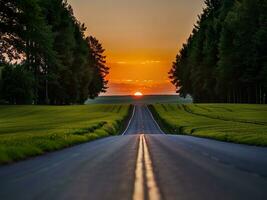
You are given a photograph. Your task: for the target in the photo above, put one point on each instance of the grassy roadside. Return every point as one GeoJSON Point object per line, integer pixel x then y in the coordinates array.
{"type": "Point", "coordinates": [27, 131]}
{"type": "Point", "coordinates": [246, 124]}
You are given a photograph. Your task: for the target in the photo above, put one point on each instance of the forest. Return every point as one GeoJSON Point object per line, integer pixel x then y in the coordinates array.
{"type": "Point", "coordinates": [45, 56]}
{"type": "Point", "coordinates": [225, 58]}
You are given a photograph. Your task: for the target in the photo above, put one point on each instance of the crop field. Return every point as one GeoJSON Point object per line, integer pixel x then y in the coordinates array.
{"type": "Point", "coordinates": [27, 131]}
{"type": "Point", "coordinates": [246, 124]}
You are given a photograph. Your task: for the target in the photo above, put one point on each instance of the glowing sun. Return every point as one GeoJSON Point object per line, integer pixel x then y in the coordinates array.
{"type": "Point", "coordinates": [138, 94]}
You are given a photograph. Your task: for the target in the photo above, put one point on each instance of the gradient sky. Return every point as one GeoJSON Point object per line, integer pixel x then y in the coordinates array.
{"type": "Point", "coordinates": [141, 38]}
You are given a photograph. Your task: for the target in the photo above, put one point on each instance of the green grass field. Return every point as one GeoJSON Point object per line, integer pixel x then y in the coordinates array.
{"type": "Point", "coordinates": [27, 131]}
{"type": "Point", "coordinates": [246, 124]}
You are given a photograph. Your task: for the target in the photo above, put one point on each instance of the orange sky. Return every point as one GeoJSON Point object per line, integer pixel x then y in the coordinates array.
{"type": "Point", "coordinates": [141, 38]}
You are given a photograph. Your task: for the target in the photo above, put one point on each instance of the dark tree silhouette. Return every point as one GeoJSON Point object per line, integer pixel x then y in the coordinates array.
{"type": "Point", "coordinates": [46, 40]}
{"type": "Point", "coordinates": [224, 59]}
{"type": "Point", "coordinates": [100, 70]}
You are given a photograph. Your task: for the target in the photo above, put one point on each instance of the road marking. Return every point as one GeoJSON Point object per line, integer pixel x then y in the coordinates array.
{"type": "Point", "coordinates": [144, 167]}
{"type": "Point", "coordinates": [129, 122]}
{"type": "Point", "coordinates": [139, 176]}
{"type": "Point", "coordinates": [153, 190]}
{"type": "Point", "coordinates": [155, 121]}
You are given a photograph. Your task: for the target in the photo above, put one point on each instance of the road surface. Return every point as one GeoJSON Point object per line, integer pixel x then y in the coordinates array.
{"type": "Point", "coordinates": [142, 164]}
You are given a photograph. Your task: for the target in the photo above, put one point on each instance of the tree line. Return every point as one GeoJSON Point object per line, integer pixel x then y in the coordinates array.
{"type": "Point", "coordinates": [225, 57]}
{"type": "Point", "coordinates": [45, 57]}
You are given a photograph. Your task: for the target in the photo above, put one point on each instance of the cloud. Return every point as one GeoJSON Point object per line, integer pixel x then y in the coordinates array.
{"type": "Point", "coordinates": [126, 87]}
{"type": "Point", "coordinates": [121, 62]}
{"type": "Point", "coordinates": [150, 62]}
{"type": "Point", "coordinates": [142, 62]}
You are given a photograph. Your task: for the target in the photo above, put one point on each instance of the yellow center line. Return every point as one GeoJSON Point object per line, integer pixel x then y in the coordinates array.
{"type": "Point", "coordinates": [153, 190]}
{"type": "Point", "coordinates": [139, 178]}
{"type": "Point", "coordinates": [144, 162]}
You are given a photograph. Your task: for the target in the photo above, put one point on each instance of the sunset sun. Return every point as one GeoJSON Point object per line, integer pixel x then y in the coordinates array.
{"type": "Point", "coordinates": [138, 94]}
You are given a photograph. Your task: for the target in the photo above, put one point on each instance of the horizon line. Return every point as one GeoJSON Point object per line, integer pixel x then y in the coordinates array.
{"type": "Point", "coordinates": [112, 95]}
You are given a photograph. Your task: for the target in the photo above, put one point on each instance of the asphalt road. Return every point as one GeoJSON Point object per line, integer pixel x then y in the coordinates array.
{"type": "Point", "coordinates": [144, 163]}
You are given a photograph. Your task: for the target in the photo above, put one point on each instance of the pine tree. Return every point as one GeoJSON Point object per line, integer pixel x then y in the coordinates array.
{"type": "Point", "coordinates": [97, 60]}
{"type": "Point", "coordinates": [224, 59]}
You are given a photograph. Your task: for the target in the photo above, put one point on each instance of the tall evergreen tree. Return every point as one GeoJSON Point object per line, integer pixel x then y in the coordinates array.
{"type": "Point", "coordinates": [224, 60]}
{"type": "Point", "coordinates": [46, 38]}
{"type": "Point", "coordinates": [100, 70]}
